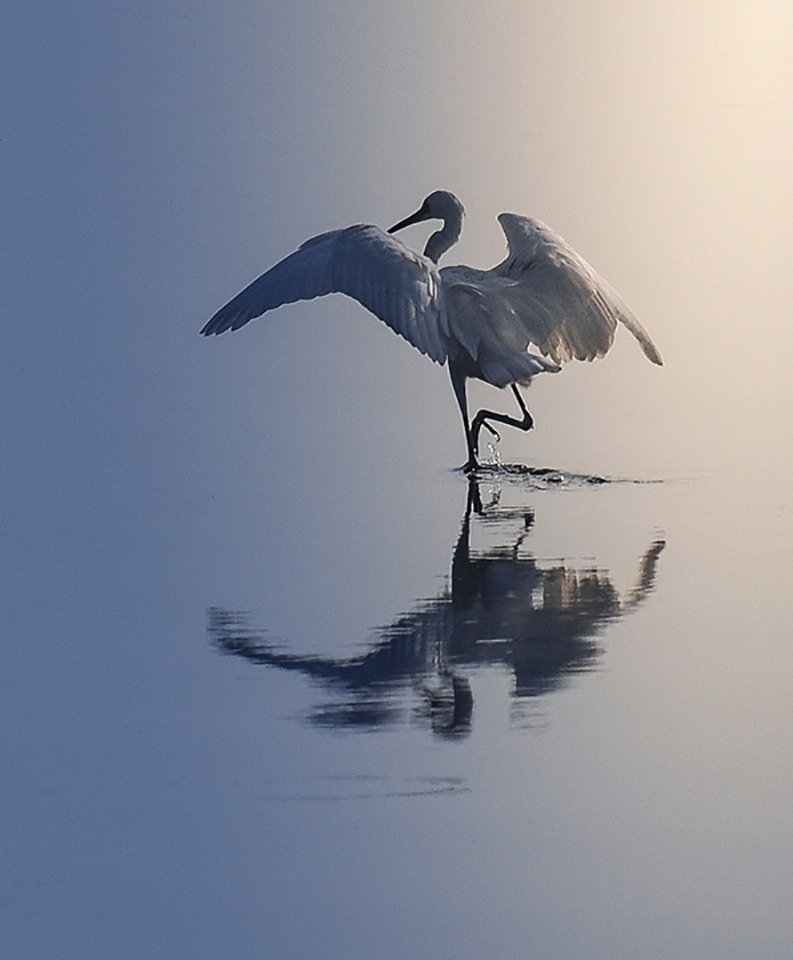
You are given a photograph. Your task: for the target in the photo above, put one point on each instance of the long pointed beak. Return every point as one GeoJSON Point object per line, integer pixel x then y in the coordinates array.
{"type": "Point", "coordinates": [421, 214]}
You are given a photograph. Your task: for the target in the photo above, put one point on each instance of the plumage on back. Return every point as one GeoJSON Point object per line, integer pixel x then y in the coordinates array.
{"type": "Point", "coordinates": [485, 314]}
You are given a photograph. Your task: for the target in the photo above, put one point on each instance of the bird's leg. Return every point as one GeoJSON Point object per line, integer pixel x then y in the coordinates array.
{"type": "Point", "coordinates": [458, 385]}
{"type": "Point", "coordinates": [480, 420]}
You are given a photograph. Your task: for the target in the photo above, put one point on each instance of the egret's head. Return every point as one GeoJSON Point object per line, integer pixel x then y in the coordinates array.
{"type": "Point", "coordinates": [439, 205]}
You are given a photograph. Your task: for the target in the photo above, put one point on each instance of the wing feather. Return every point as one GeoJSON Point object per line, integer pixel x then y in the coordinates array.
{"type": "Point", "coordinates": [398, 286]}
{"type": "Point", "coordinates": [565, 307]}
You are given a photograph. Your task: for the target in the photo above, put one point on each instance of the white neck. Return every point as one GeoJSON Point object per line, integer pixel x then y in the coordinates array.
{"type": "Point", "coordinates": [443, 239]}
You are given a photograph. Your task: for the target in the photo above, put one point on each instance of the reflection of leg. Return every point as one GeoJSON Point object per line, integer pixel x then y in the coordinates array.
{"type": "Point", "coordinates": [480, 420]}
{"type": "Point", "coordinates": [474, 501]}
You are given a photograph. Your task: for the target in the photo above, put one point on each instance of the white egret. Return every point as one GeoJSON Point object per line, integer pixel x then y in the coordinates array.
{"type": "Point", "coordinates": [482, 323]}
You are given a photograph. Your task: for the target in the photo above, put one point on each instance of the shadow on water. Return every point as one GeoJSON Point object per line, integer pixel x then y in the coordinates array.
{"type": "Point", "coordinates": [503, 608]}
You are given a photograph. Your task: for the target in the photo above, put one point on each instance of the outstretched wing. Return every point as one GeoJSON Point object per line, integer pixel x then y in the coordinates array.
{"type": "Point", "coordinates": [400, 287]}
{"type": "Point", "coordinates": [564, 307]}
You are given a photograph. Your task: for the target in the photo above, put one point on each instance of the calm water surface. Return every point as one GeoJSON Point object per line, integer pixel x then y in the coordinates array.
{"type": "Point", "coordinates": [538, 716]}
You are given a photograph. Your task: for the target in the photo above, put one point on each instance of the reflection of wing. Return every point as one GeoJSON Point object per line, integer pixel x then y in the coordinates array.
{"type": "Point", "coordinates": [503, 609]}
{"type": "Point", "coordinates": [544, 294]}
{"type": "Point", "coordinates": [646, 578]}
{"type": "Point", "coordinates": [399, 286]}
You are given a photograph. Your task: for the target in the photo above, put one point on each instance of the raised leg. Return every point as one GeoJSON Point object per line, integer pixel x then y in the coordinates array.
{"type": "Point", "coordinates": [480, 420]}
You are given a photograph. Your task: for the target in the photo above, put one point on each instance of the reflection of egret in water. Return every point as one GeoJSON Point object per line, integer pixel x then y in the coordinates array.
{"type": "Point", "coordinates": [503, 608]}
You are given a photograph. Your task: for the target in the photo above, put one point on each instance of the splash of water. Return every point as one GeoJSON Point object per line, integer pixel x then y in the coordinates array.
{"type": "Point", "coordinates": [494, 459]}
